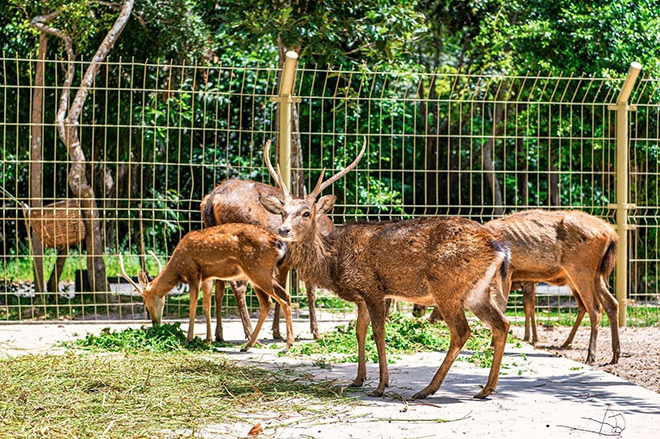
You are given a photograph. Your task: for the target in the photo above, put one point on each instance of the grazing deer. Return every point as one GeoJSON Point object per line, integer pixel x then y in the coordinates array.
{"type": "Point", "coordinates": [227, 252]}
{"type": "Point", "coordinates": [447, 262]}
{"type": "Point", "coordinates": [564, 248]}
{"type": "Point", "coordinates": [237, 201]}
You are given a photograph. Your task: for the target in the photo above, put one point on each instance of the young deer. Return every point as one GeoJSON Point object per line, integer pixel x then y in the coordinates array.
{"type": "Point", "coordinates": [237, 201]}
{"type": "Point", "coordinates": [226, 252]}
{"type": "Point", "coordinates": [447, 262]}
{"type": "Point", "coordinates": [564, 248]}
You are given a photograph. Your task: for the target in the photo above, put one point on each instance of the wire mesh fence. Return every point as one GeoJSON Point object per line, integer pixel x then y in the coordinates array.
{"type": "Point", "coordinates": [158, 137]}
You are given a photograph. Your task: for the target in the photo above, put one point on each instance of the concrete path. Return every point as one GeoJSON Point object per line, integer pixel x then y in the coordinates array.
{"type": "Point", "coordinates": [539, 395]}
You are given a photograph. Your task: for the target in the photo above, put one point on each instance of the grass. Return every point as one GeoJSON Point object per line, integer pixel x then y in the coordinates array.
{"type": "Point", "coordinates": [403, 335]}
{"type": "Point", "coordinates": [636, 316]}
{"type": "Point", "coordinates": [145, 395]}
{"type": "Point", "coordinates": [158, 339]}
{"type": "Point", "coordinates": [19, 268]}
{"type": "Point", "coordinates": [149, 384]}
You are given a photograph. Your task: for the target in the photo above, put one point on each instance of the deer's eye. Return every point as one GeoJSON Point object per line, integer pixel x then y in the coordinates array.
{"type": "Point", "coordinates": [305, 214]}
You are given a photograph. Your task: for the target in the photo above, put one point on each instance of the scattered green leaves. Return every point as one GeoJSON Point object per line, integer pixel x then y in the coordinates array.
{"type": "Point", "coordinates": [161, 338]}
{"type": "Point", "coordinates": [403, 335]}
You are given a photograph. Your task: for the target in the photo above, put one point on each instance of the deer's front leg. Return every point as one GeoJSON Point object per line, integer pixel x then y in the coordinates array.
{"type": "Point", "coordinates": [361, 334]}
{"type": "Point", "coordinates": [194, 294]}
{"type": "Point", "coordinates": [207, 292]}
{"type": "Point", "coordinates": [377, 313]}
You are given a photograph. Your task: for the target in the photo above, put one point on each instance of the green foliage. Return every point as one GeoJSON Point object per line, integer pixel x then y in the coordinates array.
{"type": "Point", "coordinates": [159, 339]}
{"type": "Point", "coordinates": [327, 33]}
{"type": "Point", "coordinates": [403, 335]}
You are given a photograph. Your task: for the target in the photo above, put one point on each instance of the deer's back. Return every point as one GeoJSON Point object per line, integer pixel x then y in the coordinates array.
{"type": "Point", "coordinates": [410, 259]}
{"type": "Point", "coordinates": [228, 251]}
{"type": "Point", "coordinates": [237, 201]}
{"type": "Point", "coordinates": [543, 242]}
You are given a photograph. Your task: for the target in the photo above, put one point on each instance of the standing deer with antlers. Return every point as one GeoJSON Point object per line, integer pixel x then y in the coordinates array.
{"type": "Point", "coordinates": [564, 248]}
{"type": "Point", "coordinates": [447, 262]}
{"type": "Point", "coordinates": [237, 201]}
{"type": "Point", "coordinates": [226, 252]}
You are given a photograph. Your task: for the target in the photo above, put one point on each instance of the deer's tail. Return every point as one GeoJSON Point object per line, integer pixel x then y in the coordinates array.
{"type": "Point", "coordinates": [608, 260]}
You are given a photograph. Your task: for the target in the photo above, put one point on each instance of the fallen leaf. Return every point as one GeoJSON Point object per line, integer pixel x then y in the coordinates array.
{"type": "Point", "coordinates": [256, 430]}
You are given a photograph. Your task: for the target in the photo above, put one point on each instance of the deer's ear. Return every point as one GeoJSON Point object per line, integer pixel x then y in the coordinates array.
{"type": "Point", "coordinates": [325, 204]}
{"type": "Point", "coordinates": [272, 204]}
{"type": "Point", "coordinates": [144, 280]}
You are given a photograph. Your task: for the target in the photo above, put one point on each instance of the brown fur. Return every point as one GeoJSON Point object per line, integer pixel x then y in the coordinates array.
{"type": "Point", "coordinates": [447, 262]}
{"type": "Point", "coordinates": [227, 252]}
{"type": "Point", "coordinates": [564, 248]}
{"type": "Point", "coordinates": [237, 201]}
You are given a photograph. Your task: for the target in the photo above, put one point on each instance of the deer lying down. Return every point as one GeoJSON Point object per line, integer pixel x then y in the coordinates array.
{"type": "Point", "coordinates": [226, 252]}
{"type": "Point", "coordinates": [447, 262]}
{"type": "Point", "coordinates": [564, 248]}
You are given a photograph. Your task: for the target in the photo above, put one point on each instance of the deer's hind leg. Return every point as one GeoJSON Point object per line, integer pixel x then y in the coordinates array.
{"type": "Point", "coordinates": [493, 317]}
{"type": "Point", "coordinates": [264, 307]}
{"type": "Point", "coordinates": [586, 288]}
{"type": "Point", "coordinates": [529, 300]}
{"type": "Point", "coordinates": [281, 279]}
{"type": "Point", "coordinates": [611, 307]}
{"type": "Point", "coordinates": [239, 289]}
{"type": "Point", "coordinates": [459, 331]}
{"type": "Point", "coordinates": [580, 315]}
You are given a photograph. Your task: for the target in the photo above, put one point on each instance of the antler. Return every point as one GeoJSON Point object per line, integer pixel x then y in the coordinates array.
{"type": "Point", "coordinates": [277, 176]}
{"type": "Point", "coordinates": [126, 276]}
{"type": "Point", "coordinates": [320, 185]}
{"type": "Point", "coordinates": [160, 267]}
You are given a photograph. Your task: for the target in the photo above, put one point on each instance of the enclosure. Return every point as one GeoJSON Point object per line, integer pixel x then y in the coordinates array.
{"type": "Point", "coordinates": [158, 136]}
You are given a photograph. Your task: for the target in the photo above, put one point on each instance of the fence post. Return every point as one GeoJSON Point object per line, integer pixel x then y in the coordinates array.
{"type": "Point", "coordinates": [622, 206]}
{"type": "Point", "coordinates": [285, 102]}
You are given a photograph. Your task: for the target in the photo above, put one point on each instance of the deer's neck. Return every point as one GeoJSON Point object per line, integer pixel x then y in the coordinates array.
{"type": "Point", "coordinates": [164, 282]}
{"type": "Point", "coordinates": [314, 259]}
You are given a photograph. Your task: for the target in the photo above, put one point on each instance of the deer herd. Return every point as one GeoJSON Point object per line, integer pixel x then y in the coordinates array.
{"type": "Point", "coordinates": [256, 233]}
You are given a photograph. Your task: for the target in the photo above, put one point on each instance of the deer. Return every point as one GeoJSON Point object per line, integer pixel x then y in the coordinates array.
{"type": "Point", "coordinates": [227, 252]}
{"type": "Point", "coordinates": [237, 201]}
{"type": "Point", "coordinates": [564, 248]}
{"type": "Point", "coordinates": [447, 262]}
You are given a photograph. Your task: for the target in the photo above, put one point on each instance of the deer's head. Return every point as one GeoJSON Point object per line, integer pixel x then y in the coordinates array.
{"type": "Point", "coordinates": [154, 303]}
{"type": "Point", "coordinates": [300, 215]}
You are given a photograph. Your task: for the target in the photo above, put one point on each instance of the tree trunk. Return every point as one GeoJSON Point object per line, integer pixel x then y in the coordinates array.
{"type": "Point", "coordinates": [431, 151]}
{"type": "Point", "coordinates": [489, 167]}
{"type": "Point", "coordinates": [67, 125]}
{"type": "Point", "coordinates": [523, 176]}
{"type": "Point", "coordinates": [553, 179]}
{"type": "Point", "coordinates": [36, 197]}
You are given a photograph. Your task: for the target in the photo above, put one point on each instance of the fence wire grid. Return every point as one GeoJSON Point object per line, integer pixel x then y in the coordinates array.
{"type": "Point", "coordinates": [157, 137]}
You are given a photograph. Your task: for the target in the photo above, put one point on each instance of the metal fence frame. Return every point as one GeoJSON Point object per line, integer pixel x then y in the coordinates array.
{"type": "Point", "coordinates": [438, 142]}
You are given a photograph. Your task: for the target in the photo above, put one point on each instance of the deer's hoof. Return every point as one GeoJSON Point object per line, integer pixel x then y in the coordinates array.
{"type": "Point", "coordinates": [420, 395]}
{"type": "Point", "coordinates": [245, 348]}
{"type": "Point", "coordinates": [357, 383]}
{"type": "Point", "coordinates": [483, 394]}
{"type": "Point", "coordinates": [375, 393]}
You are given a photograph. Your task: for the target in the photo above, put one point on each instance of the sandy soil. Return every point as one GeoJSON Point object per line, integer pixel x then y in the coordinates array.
{"type": "Point", "coordinates": [640, 351]}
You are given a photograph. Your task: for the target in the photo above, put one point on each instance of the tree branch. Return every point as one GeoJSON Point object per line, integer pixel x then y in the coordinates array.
{"type": "Point", "coordinates": [99, 56]}
{"type": "Point", "coordinates": [39, 23]}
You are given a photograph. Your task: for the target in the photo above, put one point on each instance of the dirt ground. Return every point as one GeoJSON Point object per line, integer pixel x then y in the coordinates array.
{"type": "Point", "coordinates": [640, 351]}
